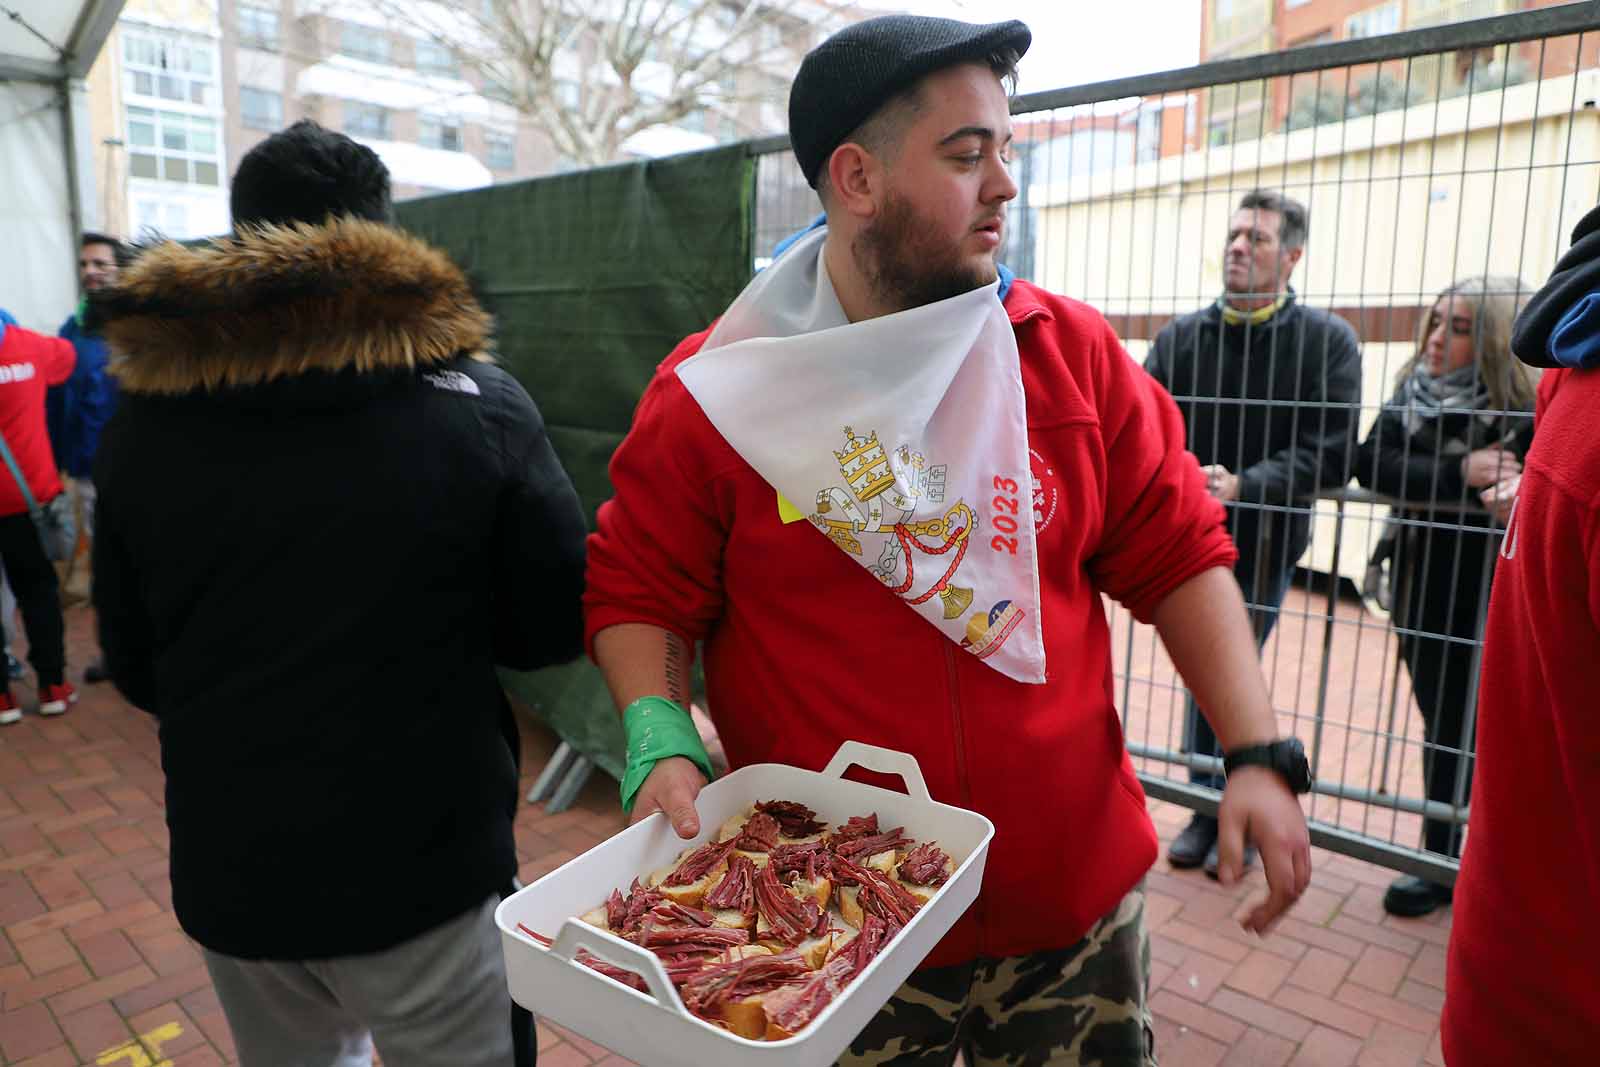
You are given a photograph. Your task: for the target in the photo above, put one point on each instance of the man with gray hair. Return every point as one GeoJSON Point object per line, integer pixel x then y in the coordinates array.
{"type": "Point", "coordinates": [1268, 389]}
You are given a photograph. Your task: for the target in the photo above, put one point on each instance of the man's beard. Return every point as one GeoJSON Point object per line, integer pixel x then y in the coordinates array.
{"type": "Point", "coordinates": [906, 265]}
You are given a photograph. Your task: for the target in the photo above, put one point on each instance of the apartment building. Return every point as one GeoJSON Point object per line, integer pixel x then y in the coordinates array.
{"type": "Point", "coordinates": [186, 87]}
{"type": "Point", "coordinates": [1232, 28]}
{"type": "Point", "coordinates": [157, 119]}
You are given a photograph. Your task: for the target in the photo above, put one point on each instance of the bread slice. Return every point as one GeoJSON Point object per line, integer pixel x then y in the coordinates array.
{"type": "Point", "coordinates": [816, 950]}
{"type": "Point", "coordinates": [692, 894]}
{"type": "Point", "coordinates": [596, 917]}
{"type": "Point", "coordinates": [733, 825]}
{"type": "Point", "coordinates": [729, 919]}
{"type": "Point", "coordinates": [883, 861]}
{"type": "Point", "coordinates": [923, 893]}
{"type": "Point", "coordinates": [820, 890]}
{"type": "Point", "coordinates": [744, 952]}
{"type": "Point", "coordinates": [747, 1017]}
{"type": "Point", "coordinates": [843, 937]}
{"type": "Point", "coordinates": [849, 900]}
{"type": "Point", "coordinates": [920, 893]}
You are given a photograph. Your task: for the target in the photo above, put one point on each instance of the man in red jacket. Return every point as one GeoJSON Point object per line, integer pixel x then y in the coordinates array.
{"type": "Point", "coordinates": [29, 362]}
{"type": "Point", "coordinates": [1520, 984]}
{"type": "Point", "coordinates": [874, 432]}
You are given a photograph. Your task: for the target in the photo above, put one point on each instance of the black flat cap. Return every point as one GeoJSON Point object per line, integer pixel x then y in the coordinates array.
{"type": "Point", "coordinates": [846, 78]}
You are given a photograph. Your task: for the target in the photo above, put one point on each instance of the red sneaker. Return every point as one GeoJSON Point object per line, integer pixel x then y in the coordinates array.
{"type": "Point", "coordinates": [53, 699]}
{"type": "Point", "coordinates": [9, 712]}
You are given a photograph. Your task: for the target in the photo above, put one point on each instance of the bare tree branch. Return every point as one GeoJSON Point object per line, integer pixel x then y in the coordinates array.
{"type": "Point", "coordinates": [590, 74]}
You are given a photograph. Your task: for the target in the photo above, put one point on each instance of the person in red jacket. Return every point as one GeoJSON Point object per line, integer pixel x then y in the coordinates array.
{"type": "Point", "coordinates": [29, 362]}
{"type": "Point", "coordinates": [1521, 981]}
{"type": "Point", "coordinates": [888, 498]}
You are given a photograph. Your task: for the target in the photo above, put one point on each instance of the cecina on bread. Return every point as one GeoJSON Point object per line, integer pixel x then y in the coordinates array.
{"type": "Point", "coordinates": [692, 894]}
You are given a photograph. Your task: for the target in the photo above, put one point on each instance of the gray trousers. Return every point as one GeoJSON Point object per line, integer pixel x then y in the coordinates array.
{"type": "Point", "coordinates": [438, 1000]}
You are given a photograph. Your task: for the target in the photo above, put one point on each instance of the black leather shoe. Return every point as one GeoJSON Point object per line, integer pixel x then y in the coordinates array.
{"type": "Point", "coordinates": [1411, 897]}
{"type": "Point", "coordinates": [1214, 860]}
{"type": "Point", "coordinates": [95, 672]}
{"type": "Point", "coordinates": [1189, 848]}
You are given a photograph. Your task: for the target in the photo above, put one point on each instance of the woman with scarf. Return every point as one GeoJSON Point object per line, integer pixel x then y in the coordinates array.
{"type": "Point", "coordinates": [1449, 446]}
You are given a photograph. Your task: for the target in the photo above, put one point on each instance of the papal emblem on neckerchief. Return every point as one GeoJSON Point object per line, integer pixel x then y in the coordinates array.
{"type": "Point", "coordinates": [893, 500]}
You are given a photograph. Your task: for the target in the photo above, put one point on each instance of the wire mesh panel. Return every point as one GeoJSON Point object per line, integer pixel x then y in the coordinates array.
{"type": "Point", "coordinates": [1440, 171]}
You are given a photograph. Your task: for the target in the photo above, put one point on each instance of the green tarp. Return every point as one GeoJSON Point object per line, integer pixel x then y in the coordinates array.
{"type": "Point", "coordinates": [593, 277]}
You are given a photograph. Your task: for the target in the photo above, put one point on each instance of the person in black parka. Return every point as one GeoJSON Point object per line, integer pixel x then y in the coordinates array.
{"type": "Point", "coordinates": [1449, 445]}
{"type": "Point", "coordinates": [325, 516]}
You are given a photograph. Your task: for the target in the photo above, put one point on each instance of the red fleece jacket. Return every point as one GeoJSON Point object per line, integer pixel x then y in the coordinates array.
{"type": "Point", "coordinates": [1522, 983]}
{"type": "Point", "coordinates": [28, 363]}
{"type": "Point", "coordinates": [805, 649]}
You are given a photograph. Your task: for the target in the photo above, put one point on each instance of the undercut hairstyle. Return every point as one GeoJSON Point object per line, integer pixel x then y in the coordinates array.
{"type": "Point", "coordinates": [883, 130]}
{"type": "Point", "coordinates": [1295, 219]}
{"type": "Point", "coordinates": [309, 174]}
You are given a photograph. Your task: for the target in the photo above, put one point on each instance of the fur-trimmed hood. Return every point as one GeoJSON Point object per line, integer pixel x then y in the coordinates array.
{"type": "Point", "coordinates": [278, 302]}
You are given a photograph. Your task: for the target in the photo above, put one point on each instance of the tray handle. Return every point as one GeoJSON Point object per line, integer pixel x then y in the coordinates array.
{"type": "Point", "coordinates": [883, 761]}
{"type": "Point", "coordinates": [576, 935]}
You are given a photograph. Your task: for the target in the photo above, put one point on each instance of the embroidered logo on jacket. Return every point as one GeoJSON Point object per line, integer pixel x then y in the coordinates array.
{"type": "Point", "coordinates": [452, 381]}
{"type": "Point", "coordinates": [1045, 493]}
{"type": "Point", "coordinates": [16, 372]}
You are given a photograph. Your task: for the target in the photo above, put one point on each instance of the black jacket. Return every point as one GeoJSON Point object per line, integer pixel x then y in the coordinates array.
{"type": "Point", "coordinates": [1420, 470]}
{"type": "Point", "coordinates": [323, 519]}
{"type": "Point", "coordinates": [1275, 403]}
{"type": "Point", "coordinates": [1577, 274]}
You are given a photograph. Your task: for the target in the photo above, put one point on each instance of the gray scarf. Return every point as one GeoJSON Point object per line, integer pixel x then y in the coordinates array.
{"type": "Point", "coordinates": [1428, 399]}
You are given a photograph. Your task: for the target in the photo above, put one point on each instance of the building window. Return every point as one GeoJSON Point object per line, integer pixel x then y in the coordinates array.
{"type": "Point", "coordinates": [158, 218]}
{"type": "Point", "coordinates": [1147, 146]}
{"type": "Point", "coordinates": [435, 58]}
{"type": "Point", "coordinates": [258, 27]}
{"type": "Point", "coordinates": [168, 146]}
{"type": "Point", "coordinates": [260, 109]}
{"type": "Point", "coordinates": [435, 132]}
{"type": "Point", "coordinates": [502, 151]}
{"type": "Point", "coordinates": [364, 42]}
{"type": "Point", "coordinates": [173, 70]}
{"type": "Point", "coordinates": [1375, 21]}
{"type": "Point", "coordinates": [366, 120]}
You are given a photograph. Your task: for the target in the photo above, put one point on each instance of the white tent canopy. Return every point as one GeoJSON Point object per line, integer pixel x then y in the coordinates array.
{"type": "Point", "coordinates": [46, 50]}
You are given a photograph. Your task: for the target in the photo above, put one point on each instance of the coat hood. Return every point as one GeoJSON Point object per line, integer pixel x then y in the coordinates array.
{"type": "Point", "coordinates": [278, 302]}
{"type": "Point", "coordinates": [1576, 276]}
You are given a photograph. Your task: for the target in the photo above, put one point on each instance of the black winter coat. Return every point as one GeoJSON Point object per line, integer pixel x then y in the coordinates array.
{"type": "Point", "coordinates": [323, 520]}
{"type": "Point", "coordinates": [1274, 403]}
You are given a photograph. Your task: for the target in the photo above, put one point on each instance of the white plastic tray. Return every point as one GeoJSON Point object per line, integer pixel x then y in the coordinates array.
{"type": "Point", "coordinates": [655, 1029]}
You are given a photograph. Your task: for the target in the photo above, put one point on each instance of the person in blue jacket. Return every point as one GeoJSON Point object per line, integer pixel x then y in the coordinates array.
{"type": "Point", "coordinates": [78, 409]}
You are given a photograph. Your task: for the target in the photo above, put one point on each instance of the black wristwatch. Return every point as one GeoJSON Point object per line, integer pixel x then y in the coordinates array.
{"type": "Point", "coordinates": [1287, 757]}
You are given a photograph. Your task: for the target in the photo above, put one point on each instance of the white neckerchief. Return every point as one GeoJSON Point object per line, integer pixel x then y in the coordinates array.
{"type": "Point", "coordinates": [905, 437]}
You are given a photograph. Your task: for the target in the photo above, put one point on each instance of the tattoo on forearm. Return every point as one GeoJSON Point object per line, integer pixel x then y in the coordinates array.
{"type": "Point", "coordinates": [677, 659]}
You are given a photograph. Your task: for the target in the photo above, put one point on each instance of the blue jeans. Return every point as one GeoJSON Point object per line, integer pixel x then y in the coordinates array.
{"type": "Point", "coordinates": [1264, 579]}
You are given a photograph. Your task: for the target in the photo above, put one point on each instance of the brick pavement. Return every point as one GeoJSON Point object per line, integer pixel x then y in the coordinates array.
{"type": "Point", "coordinates": [94, 970]}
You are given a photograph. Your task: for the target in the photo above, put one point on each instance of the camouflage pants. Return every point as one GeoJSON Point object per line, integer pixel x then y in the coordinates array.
{"type": "Point", "coordinates": [1081, 1005]}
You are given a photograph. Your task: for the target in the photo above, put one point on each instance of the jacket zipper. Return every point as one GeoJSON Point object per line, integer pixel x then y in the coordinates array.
{"type": "Point", "coordinates": [952, 673]}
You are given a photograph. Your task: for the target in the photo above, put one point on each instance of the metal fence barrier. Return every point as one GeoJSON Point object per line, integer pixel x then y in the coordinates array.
{"type": "Point", "coordinates": [1458, 150]}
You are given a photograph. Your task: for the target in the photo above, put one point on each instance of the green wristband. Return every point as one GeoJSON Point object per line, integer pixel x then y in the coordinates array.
{"type": "Point", "coordinates": [657, 728]}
